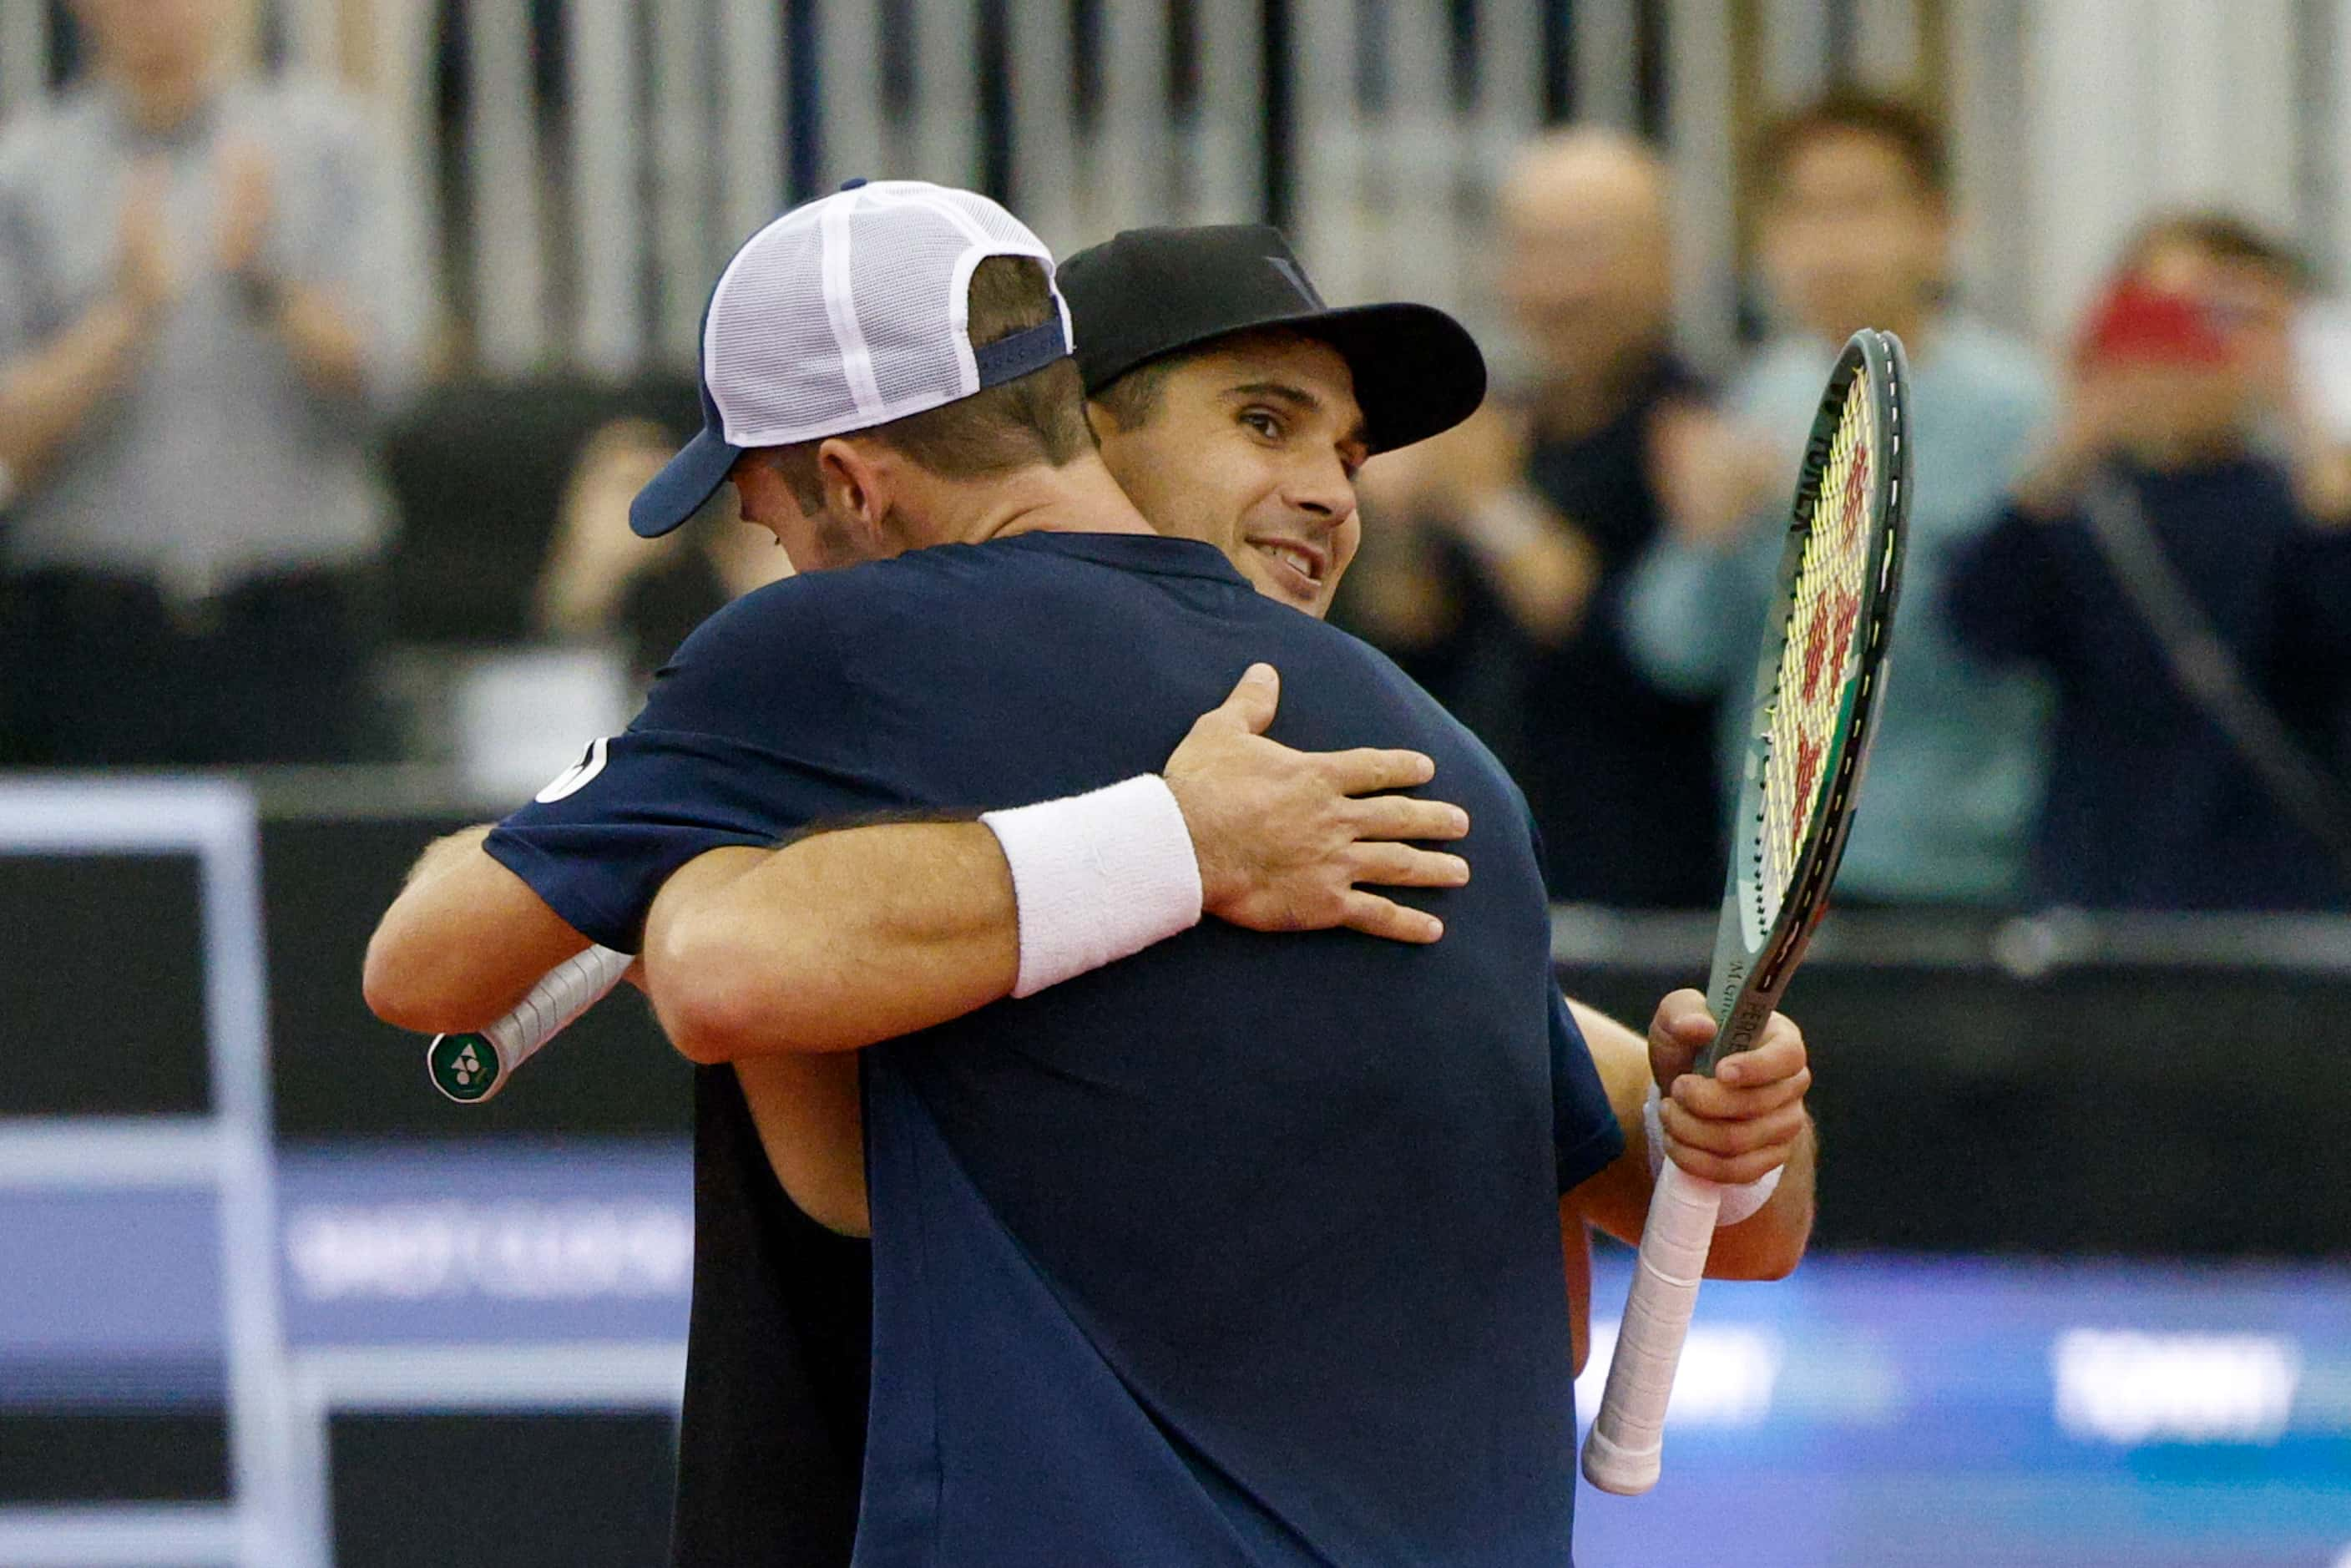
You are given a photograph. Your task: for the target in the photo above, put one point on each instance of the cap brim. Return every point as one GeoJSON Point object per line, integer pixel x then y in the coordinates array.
{"type": "Point", "coordinates": [685, 482]}
{"type": "Point", "coordinates": [1417, 370]}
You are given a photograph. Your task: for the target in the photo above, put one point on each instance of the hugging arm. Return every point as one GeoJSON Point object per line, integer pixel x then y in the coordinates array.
{"type": "Point", "coordinates": [841, 940]}
{"type": "Point", "coordinates": [854, 936]}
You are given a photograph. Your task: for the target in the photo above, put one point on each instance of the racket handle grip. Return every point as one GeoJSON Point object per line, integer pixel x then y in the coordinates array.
{"type": "Point", "coordinates": [470, 1068]}
{"type": "Point", "coordinates": [1624, 1451]}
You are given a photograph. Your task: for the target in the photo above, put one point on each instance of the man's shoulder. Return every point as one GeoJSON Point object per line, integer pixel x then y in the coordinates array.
{"type": "Point", "coordinates": [774, 647]}
{"type": "Point", "coordinates": [806, 627]}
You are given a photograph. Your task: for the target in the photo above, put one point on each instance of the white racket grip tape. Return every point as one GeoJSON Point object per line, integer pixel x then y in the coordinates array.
{"type": "Point", "coordinates": [568, 989]}
{"type": "Point", "coordinates": [1624, 1451]}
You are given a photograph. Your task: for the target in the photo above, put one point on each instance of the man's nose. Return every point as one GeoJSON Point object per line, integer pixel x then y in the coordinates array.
{"type": "Point", "coordinates": [1323, 491]}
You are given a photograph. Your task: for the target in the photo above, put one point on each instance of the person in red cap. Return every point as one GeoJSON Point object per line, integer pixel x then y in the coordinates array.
{"type": "Point", "coordinates": [2181, 566]}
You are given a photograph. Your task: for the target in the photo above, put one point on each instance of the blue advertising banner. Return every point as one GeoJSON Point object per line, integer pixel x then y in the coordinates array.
{"type": "Point", "coordinates": [1872, 1409]}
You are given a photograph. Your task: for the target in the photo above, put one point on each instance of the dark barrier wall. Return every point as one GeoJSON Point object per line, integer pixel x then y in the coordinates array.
{"type": "Point", "coordinates": [2133, 1102]}
{"type": "Point", "coordinates": [2108, 1109]}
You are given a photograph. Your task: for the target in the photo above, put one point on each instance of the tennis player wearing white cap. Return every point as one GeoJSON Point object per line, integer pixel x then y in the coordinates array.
{"type": "Point", "coordinates": [1237, 313]}
{"type": "Point", "coordinates": [1245, 1249]}
{"type": "Point", "coordinates": [1280, 841]}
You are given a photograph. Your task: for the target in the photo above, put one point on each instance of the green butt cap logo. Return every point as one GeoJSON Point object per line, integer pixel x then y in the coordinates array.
{"type": "Point", "coordinates": [464, 1067]}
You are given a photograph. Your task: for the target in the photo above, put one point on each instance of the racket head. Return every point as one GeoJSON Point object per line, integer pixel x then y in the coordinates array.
{"type": "Point", "coordinates": [1820, 681]}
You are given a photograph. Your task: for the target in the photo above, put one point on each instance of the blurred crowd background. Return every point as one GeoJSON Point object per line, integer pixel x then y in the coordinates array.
{"type": "Point", "coordinates": [335, 334]}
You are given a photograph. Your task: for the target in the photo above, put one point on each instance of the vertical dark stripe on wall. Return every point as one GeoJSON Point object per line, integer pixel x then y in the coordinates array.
{"type": "Point", "coordinates": [551, 52]}
{"type": "Point", "coordinates": [1649, 63]}
{"type": "Point", "coordinates": [897, 62]}
{"type": "Point", "coordinates": [1280, 162]}
{"type": "Point", "coordinates": [64, 44]}
{"type": "Point", "coordinates": [272, 49]}
{"type": "Point", "coordinates": [1461, 51]}
{"type": "Point", "coordinates": [1086, 62]}
{"type": "Point", "coordinates": [1844, 33]}
{"type": "Point", "coordinates": [1183, 58]}
{"type": "Point", "coordinates": [803, 110]}
{"type": "Point", "coordinates": [1559, 62]}
{"type": "Point", "coordinates": [996, 100]}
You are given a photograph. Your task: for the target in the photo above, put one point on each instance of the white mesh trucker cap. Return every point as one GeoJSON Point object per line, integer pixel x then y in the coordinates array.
{"type": "Point", "coordinates": [843, 314]}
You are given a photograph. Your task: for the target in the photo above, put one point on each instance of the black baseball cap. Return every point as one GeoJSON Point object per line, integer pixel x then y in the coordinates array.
{"type": "Point", "coordinates": [1148, 293]}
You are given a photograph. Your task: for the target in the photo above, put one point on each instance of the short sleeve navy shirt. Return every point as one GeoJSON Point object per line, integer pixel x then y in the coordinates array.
{"type": "Point", "coordinates": [1244, 1249]}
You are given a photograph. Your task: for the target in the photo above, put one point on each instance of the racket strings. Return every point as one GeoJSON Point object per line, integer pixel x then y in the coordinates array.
{"type": "Point", "coordinates": [1819, 655]}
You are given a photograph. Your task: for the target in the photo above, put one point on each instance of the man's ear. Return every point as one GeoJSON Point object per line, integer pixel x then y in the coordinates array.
{"type": "Point", "coordinates": [1101, 422]}
{"type": "Point", "coordinates": [857, 491]}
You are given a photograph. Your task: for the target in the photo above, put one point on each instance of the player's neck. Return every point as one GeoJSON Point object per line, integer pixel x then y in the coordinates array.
{"type": "Point", "coordinates": [160, 102]}
{"type": "Point", "coordinates": [1078, 497]}
{"type": "Point", "coordinates": [1915, 325]}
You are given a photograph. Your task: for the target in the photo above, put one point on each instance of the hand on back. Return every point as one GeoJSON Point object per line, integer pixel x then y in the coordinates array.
{"type": "Point", "coordinates": [1284, 837]}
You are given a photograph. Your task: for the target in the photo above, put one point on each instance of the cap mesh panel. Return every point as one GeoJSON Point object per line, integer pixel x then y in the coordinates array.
{"type": "Point", "coordinates": [773, 352]}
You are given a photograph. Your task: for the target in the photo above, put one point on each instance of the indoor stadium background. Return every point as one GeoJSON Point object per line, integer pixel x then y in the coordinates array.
{"type": "Point", "coordinates": [2081, 1289]}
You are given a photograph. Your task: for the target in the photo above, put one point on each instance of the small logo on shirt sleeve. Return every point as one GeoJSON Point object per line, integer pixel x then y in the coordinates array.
{"type": "Point", "coordinates": [574, 779]}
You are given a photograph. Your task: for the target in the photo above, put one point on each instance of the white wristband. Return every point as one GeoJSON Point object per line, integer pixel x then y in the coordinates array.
{"type": "Point", "coordinates": [1097, 877]}
{"type": "Point", "coordinates": [1738, 1202]}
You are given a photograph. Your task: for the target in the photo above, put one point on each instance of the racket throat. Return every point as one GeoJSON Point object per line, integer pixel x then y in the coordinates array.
{"type": "Point", "coordinates": [1734, 961]}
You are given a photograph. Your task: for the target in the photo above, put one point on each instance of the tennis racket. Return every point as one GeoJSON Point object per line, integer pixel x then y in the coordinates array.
{"type": "Point", "coordinates": [1818, 685]}
{"type": "Point", "coordinates": [472, 1067]}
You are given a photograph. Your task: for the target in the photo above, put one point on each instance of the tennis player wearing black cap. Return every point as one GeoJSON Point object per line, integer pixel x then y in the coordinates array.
{"type": "Point", "coordinates": [1243, 1251]}
{"type": "Point", "coordinates": [1234, 407]}
{"type": "Point", "coordinates": [1221, 378]}
{"type": "Point", "coordinates": [1236, 377]}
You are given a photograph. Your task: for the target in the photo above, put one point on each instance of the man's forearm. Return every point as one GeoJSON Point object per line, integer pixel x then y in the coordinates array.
{"type": "Point", "coordinates": [1770, 1242]}
{"type": "Point", "coordinates": [835, 942]}
{"type": "Point", "coordinates": [465, 940]}
{"type": "Point", "coordinates": [45, 396]}
{"type": "Point", "coordinates": [443, 852]}
{"type": "Point", "coordinates": [1575, 1250]}
{"type": "Point", "coordinates": [1767, 1245]}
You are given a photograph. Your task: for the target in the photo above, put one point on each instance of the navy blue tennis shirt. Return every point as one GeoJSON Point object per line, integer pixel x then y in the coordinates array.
{"type": "Point", "coordinates": [1243, 1250]}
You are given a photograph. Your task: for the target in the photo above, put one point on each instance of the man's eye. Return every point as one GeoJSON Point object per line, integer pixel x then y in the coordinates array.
{"type": "Point", "coordinates": [1264, 424]}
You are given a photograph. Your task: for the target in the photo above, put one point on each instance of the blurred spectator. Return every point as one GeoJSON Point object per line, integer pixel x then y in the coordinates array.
{"type": "Point", "coordinates": [2179, 561]}
{"type": "Point", "coordinates": [1856, 232]}
{"type": "Point", "coordinates": [208, 307]}
{"type": "Point", "coordinates": [1496, 554]}
{"type": "Point", "coordinates": [602, 582]}
{"type": "Point", "coordinates": [2256, 291]}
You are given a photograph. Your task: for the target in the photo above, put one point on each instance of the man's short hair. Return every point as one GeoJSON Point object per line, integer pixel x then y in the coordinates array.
{"type": "Point", "coordinates": [1134, 398]}
{"type": "Point", "coordinates": [1896, 124]}
{"type": "Point", "coordinates": [1036, 418]}
{"type": "Point", "coordinates": [2222, 236]}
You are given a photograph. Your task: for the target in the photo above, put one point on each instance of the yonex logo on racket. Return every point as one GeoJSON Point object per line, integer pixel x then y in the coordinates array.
{"type": "Point", "coordinates": [464, 1066]}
